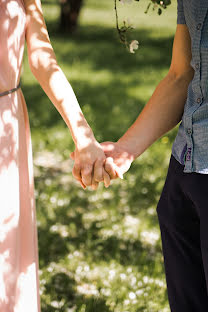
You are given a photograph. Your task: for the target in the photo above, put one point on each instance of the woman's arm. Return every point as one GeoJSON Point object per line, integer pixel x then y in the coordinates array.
{"type": "Point", "coordinates": [44, 66]}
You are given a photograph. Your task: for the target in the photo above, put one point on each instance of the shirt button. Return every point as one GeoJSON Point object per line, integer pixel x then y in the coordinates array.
{"type": "Point", "coordinates": [198, 100]}
{"type": "Point", "coordinates": [198, 27]}
{"type": "Point", "coordinates": [197, 66]}
{"type": "Point", "coordinates": [189, 131]}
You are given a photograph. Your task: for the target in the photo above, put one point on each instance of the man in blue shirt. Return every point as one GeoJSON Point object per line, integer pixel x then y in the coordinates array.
{"type": "Point", "coordinates": [183, 206]}
{"type": "Point", "coordinates": [181, 96]}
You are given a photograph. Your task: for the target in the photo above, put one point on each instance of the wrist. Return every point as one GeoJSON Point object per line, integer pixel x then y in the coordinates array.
{"type": "Point", "coordinates": [85, 140]}
{"type": "Point", "coordinates": [125, 146]}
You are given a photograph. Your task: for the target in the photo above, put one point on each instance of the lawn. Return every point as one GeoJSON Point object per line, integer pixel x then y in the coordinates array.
{"type": "Point", "coordinates": [100, 251]}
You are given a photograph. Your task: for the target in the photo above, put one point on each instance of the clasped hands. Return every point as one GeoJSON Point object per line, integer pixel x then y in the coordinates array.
{"type": "Point", "coordinates": [95, 163]}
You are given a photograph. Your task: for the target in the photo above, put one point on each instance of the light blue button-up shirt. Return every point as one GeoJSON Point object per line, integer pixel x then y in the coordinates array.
{"type": "Point", "coordinates": [190, 147]}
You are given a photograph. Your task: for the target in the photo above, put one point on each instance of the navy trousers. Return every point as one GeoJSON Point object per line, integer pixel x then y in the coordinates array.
{"type": "Point", "coordinates": [182, 213]}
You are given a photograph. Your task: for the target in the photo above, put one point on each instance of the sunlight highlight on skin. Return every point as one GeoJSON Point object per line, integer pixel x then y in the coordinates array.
{"type": "Point", "coordinates": [45, 60]}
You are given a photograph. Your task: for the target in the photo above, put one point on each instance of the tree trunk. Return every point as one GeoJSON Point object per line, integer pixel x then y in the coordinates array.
{"type": "Point", "coordinates": [70, 10]}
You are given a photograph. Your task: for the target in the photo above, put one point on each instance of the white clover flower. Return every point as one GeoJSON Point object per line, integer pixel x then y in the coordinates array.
{"type": "Point", "coordinates": [132, 295]}
{"type": "Point", "coordinates": [126, 301]}
{"type": "Point", "coordinates": [145, 279]}
{"type": "Point", "coordinates": [139, 292]}
{"type": "Point", "coordinates": [133, 46]}
{"type": "Point", "coordinates": [123, 276]}
{"type": "Point", "coordinates": [149, 238]}
{"type": "Point", "coordinates": [87, 289]}
{"type": "Point", "coordinates": [112, 274]}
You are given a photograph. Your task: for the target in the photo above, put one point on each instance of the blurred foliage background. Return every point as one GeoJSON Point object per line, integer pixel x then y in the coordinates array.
{"type": "Point", "coordinates": [100, 251]}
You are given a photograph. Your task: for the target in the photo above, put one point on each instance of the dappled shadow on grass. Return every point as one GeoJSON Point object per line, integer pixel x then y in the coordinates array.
{"type": "Point", "coordinates": [100, 47]}
{"type": "Point", "coordinates": [54, 247]}
{"type": "Point", "coordinates": [83, 223]}
{"type": "Point", "coordinates": [62, 290]}
{"type": "Point", "coordinates": [60, 286]}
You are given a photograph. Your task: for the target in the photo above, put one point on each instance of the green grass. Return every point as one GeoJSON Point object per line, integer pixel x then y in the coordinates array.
{"type": "Point", "coordinates": [101, 251]}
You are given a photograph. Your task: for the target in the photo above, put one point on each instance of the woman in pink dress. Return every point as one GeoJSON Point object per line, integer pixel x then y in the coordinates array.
{"type": "Point", "coordinates": [20, 21]}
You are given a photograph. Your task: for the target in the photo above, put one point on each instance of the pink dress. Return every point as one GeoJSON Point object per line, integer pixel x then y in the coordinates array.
{"type": "Point", "coordinates": [19, 283]}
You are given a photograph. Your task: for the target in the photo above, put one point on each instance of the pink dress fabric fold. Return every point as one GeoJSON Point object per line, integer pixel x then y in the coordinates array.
{"type": "Point", "coordinates": [19, 263]}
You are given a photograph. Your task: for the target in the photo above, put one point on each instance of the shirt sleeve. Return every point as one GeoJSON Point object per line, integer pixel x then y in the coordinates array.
{"type": "Point", "coordinates": [180, 13]}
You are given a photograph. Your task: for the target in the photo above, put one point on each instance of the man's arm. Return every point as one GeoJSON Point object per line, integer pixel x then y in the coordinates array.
{"type": "Point", "coordinates": [165, 107]}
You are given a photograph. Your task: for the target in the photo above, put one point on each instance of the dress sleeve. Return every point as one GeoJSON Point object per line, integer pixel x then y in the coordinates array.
{"type": "Point", "coordinates": [180, 13]}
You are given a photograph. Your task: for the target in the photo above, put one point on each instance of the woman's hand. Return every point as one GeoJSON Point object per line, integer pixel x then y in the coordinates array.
{"type": "Point", "coordinates": [89, 163]}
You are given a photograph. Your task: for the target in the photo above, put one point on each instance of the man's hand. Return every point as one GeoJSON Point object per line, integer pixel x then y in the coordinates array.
{"type": "Point", "coordinates": [116, 154]}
